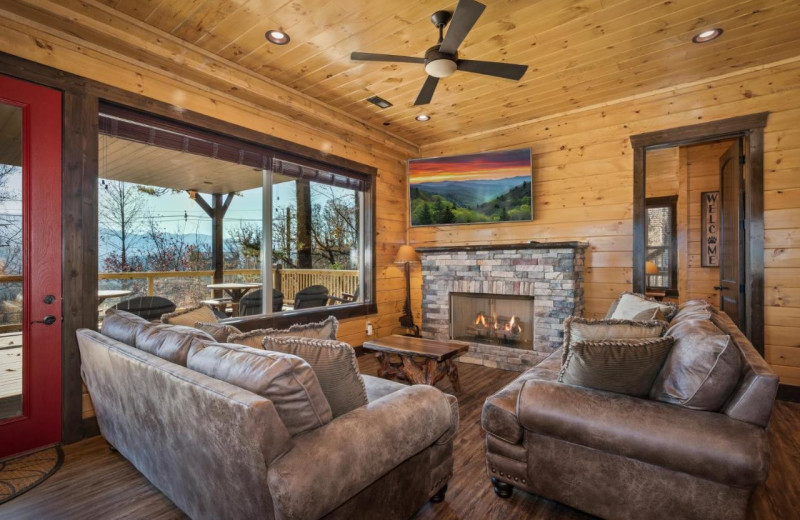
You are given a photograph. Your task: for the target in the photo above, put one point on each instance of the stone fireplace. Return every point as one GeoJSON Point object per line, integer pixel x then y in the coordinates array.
{"type": "Point", "coordinates": [508, 302]}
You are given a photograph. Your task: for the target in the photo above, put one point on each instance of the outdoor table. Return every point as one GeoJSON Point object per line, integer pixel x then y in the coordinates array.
{"type": "Point", "coordinates": [235, 290]}
{"type": "Point", "coordinates": [104, 294]}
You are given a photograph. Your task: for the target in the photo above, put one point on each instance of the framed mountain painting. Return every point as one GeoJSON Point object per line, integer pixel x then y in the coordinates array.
{"type": "Point", "coordinates": [475, 188]}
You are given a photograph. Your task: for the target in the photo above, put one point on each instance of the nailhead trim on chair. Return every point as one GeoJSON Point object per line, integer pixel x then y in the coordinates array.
{"type": "Point", "coordinates": [439, 483]}
{"type": "Point", "coordinates": [509, 476]}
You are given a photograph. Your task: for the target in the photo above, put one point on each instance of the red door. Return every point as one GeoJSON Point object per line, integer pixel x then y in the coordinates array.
{"type": "Point", "coordinates": [30, 266]}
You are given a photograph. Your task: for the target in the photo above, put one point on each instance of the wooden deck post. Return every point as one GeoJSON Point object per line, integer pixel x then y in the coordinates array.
{"type": "Point", "coordinates": [216, 211]}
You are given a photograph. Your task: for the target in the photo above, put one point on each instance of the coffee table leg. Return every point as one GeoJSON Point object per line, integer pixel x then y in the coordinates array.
{"type": "Point", "coordinates": [452, 373]}
{"type": "Point", "coordinates": [383, 368]}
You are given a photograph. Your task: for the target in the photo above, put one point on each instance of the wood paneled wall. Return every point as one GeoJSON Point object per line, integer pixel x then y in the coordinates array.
{"type": "Point", "coordinates": [583, 186]}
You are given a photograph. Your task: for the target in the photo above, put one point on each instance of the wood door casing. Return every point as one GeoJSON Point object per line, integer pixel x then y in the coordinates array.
{"type": "Point", "coordinates": [731, 265]}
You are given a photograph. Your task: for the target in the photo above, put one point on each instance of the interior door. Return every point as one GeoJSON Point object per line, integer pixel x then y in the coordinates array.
{"type": "Point", "coordinates": [30, 266]}
{"type": "Point", "coordinates": [731, 263]}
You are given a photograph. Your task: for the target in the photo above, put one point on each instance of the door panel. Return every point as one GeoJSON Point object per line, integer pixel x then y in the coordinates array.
{"type": "Point", "coordinates": [30, 266]}
{"type": "Point", "coordinates": [731, 266]}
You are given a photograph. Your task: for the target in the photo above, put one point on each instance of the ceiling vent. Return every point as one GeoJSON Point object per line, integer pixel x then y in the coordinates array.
{"type": "Point", "coordinates": [376, 100]}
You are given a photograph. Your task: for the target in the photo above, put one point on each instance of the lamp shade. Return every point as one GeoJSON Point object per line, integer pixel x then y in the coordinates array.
{"type": "Point", "coordinates": [405, 254]}
{"type": "Point", "coordinates": [650, 268]}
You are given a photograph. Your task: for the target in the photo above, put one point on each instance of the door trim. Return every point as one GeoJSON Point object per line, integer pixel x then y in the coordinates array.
{"type": "Point", "coordinates": [751, 128]}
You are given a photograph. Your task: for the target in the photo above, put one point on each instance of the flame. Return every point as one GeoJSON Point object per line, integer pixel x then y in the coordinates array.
{"type": "Point", "coordinates": [513, 325]}
{"type": "Point", "coordinates": [481, 320]}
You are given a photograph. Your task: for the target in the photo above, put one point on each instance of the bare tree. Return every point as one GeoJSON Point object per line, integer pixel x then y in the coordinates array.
{"type": "Point", "coordinates": [122, 214]}
{"type": "Point", "coordinates": [245, 245]}
{"type": "Point", "coordinates": [10, 223]}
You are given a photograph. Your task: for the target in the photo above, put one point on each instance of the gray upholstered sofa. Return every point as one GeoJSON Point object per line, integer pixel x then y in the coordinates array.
{"type": "Point", "coordinates": [219, 451]}
{"type": "Point", "coordinates": [623, 457]}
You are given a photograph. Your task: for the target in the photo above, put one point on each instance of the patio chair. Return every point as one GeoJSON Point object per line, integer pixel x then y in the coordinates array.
{"type": "Point", "coordinates": [250, 303]}
{"type": "Point", "coordinates": [312, 296]}
{"type": "Point", "coordinates": [344, 298]}
{"type": "Point", "coordinates": [147, 307]}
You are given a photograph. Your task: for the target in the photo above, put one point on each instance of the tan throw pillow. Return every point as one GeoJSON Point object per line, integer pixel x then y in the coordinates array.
{"type": "Point", "coordinates": [581, 329]}
{"type": "Point", "coordinates": [287, 381]}
{"type": "Point", "coordinates": [612, 308]}
{"type": "Point", "coordinates": [631, 304]}
{"type": "Point", "coordinates": [325, 329]}
{"type": "Point", "coordinates": [701, 371]}
{"type": "Point", "coordinates": [621, 366]}
{"type": "Point", "coordinates": [171, 342]}
{"type": "Point", "coordinates": [123, 326]}
{"type": "Point", "coordinates": [654, 314]}
{"type": "Point", "coordinates": [220, 331]}
{"type": "Point", "coordinates": [191, 315]}
{"type": "Point", "coordinates": [334, 362]}
{"type": "Point", "coordinates": [693, 310]}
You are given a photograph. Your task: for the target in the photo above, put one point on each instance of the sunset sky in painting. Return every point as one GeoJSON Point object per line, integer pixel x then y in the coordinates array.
{"type": "Point", "coordinates": [481, 166]}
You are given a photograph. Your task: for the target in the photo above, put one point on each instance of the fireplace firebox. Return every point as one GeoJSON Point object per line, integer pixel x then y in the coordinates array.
{"type": "Point", "coordinates": [492, 319]}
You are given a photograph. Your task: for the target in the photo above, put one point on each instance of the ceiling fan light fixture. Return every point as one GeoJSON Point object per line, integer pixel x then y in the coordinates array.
{"type": "Point", "coordinates": [423, 117]}
{"type": "Point", "coordinates": [707, 35]}
{"type": "Point", "coordinates": [277, 37]}
{"type": "Point", "coordinates": [440, 68]}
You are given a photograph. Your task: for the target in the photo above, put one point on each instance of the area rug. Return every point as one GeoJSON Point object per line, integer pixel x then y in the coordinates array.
{"type": "Point", "coordinates": [24, 473]}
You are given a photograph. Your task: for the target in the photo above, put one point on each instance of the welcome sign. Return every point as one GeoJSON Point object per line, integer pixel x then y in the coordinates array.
{"type": "Point", "coordinates": [709, 242]}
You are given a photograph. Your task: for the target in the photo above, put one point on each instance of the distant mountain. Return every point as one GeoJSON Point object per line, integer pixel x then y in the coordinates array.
{"type": "Point", "coordinates": [470, 193]}
{"type": "Point", "coordinates": [141, 244]}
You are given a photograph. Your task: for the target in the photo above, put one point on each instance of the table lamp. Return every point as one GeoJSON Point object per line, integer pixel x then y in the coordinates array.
{"type": "Point", "coordinates": [406, 255]}
{"type": "Point", "coordinates": [650, 268]}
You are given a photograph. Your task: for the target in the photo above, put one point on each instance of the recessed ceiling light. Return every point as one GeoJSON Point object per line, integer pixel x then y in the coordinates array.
{"type": "Point", "coordinates": [423, 117]}
{"type": "Point", "coordinates": [277, 37]}
{"type": "Point", "coordinates": [707, 35]}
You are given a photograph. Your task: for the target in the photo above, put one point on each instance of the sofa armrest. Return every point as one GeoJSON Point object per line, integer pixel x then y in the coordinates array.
{"type": "Point", "coordinates": [705, 444]}
{"type": "Point", "coordinates": [329, 465]}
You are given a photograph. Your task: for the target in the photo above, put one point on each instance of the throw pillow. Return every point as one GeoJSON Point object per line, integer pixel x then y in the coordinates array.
{"type": "Point", "coordinates": [123, 326]}
{"type": "Point", "coordinates": [190, 316]}
{"type": "Point", "coordinates": [325, 329]}
{"type": "Point", "coordinates": [220, 331]}
{"type": "Point", "coordinates": [287, 381]}
{"type": "Point", "coordinates": [581, 329]}
{"type": "Point", "coordinates": [701, 371]}
{"type": "Point", "coordinates": [621, 366]}
{"type": "Point", "coordinates": [612, 308]}
{"type": "Point", "coordinates": [631, 304]}
{"type": "Point", "coordinates": [693, 310]}
{"type": "Point", "coordinates": [650, 315]}
{"type": "Point", "coordinates": [171, 342]}
{"type": "Point", "coordinates": [334, 362]}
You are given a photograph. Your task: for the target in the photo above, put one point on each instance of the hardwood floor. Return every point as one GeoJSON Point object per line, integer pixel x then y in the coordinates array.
{"type": "Point", "coordinates": [95, 483]}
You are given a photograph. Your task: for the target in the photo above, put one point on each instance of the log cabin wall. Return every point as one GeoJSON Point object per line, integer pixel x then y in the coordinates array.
{"type": "Point", "coordinates": [583, 184]}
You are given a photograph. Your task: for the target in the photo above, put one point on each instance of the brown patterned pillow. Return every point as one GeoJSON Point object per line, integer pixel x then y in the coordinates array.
{"type": "Point", "coordinates": [630, 304]}
{"type": "Point", "coordinates": [190, 315]}
{"type": "Point", "coordinates": [220, 331]}
{"type": "Point", "coordinates": [252, 338]}
{"type": "Point", "coordinates": [621, 366]}
{"type": "Point", "coordinates": [334, 362]}
{"type": "Point", "coordinates": [582, 329]}
{"type": "Point", "coordinates": [325, 329]}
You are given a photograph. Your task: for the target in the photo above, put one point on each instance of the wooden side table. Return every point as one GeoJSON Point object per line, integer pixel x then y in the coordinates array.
{"type": "Point", "coordinates": [421, 360]}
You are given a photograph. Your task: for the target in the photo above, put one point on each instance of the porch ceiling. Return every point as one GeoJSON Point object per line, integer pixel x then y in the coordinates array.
{"type": "Point", "coordinates": [139, 163]}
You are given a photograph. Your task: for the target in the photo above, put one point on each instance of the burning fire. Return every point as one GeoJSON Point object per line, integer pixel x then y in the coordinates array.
{"type": "Point", "coordinates": [511, 325]}
{"type": "Point", "coordinates": [480, 320]}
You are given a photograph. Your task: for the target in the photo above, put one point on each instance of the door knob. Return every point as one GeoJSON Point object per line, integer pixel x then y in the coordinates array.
{"type": "Point", "coordinates": [47, 320]}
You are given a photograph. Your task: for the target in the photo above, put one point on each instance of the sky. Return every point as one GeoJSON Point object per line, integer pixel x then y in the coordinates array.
{"type": "Point", "coordinates": [483, 166]}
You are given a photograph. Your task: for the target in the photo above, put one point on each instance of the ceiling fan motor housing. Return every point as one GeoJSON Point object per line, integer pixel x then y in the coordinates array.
{"type": "Point", "coordinates": [440, 64]}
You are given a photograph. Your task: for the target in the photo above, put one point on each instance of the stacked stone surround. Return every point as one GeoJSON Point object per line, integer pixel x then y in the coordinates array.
{"type": "Point", "coordinates": [550, 272]}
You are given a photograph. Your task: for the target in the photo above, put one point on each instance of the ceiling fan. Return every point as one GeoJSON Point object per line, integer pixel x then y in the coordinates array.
{"type": "Point", "coordinates": [441, 60]}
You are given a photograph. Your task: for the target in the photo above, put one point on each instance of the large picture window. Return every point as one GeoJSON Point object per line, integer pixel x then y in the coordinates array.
{"type": "Point", "coordinates": [188, 217]}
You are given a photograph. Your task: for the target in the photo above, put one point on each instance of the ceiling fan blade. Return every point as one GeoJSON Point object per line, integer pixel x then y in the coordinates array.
{"type": "Point", "coordinates": [426, 93]}
{"type": "Point", "coordinates": [368, 56]}
{"type": "Point", "coordinates": [467, 13]}
{"type": "Point", "coordinates": [493, 68]}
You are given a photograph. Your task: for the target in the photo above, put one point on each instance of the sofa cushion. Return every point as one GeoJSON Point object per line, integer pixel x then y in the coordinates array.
{"type": "Point", "coordinates": [286, 380]}
{"type": "Point", "coordinates": [334, 362]}
{"type": "Point", "coordinates": [583, 329]}
{"type": "Point", "coordinates": [220, 331]}
{"type": "Point", "coordinates": [621, 366]}
{"type": "Point", "coordinates": [190, 316]}
{"type": "Point", "coordinates": [701, 371]}
{"type": "Point", "coordinates": [122, 326]}
{"type": "Point", "coordinates": [631, 304]}
{"type": "Point", "coordinates": [693, 310]}
{"type": "Point", "coordinates": [499, 415]}
{"type": "Point", "coordinates": [171, 342]}
{"type": "Point", "coordinates": [325, 329]}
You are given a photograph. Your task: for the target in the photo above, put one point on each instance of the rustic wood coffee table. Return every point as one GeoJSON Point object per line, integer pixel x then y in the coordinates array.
{"type": "Point", "coordinates": [422, 360]}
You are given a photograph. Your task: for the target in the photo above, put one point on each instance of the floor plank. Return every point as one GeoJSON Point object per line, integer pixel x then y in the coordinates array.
{"type": "Point", "coordinates": [95, 483]}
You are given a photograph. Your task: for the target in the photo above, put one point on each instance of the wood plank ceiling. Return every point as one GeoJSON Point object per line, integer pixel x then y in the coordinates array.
{"type": "Point", "coordinates": [580, 52]}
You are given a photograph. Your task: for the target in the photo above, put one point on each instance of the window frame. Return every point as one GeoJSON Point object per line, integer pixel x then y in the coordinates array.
{"type": "Point", "coordinates": [254, 147]}
{"type": "Point", "coordinates": [670, 202]}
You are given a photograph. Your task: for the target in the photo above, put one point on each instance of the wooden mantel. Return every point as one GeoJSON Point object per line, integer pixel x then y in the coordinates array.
{"type": "Point", "coordinates": [495, 247]}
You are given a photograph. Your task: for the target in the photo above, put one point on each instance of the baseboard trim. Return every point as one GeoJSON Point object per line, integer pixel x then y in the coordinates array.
{"type": "Point", "coordinates": [789, 393]}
